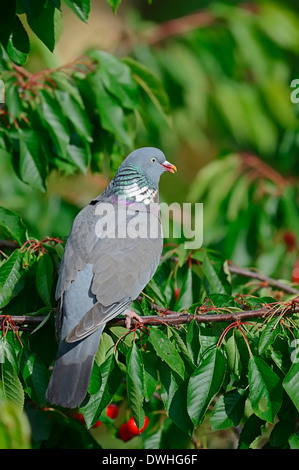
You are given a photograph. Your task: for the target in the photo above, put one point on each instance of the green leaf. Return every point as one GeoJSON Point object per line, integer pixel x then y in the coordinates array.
{"type": "Point", "coordinates": [193, 341]}
{"type": "Point", "coordinates": [11, 273]}
{"type": "Point", "coordinates": [204, 384]}
{"type": "Point", "coordinates": [185, 299]}
{"type": "Point", "coordinates": [155, 292]}
{"type": "Point", "coordinates": [150, 376]}
{"type": "Point", "coordinates": [111, 113]}
{"type": "Point", "coordinates": [265, 389]}
{"type": "Point", "coordinates": [44, 277]}
{"type": "Point", "coordinates": [11, 226]}
{"type": "Point", "coordinates": [114, 3]}
{"type": "Point", "coordinates": [117, 79]}
{"type": "Point", "coordinates": [151, 85]}
{"type": "Point", "coordinates": [268, 335]}
{"type": "Point", "coordinates": [80, 7]}
{"type": "Point", "coordinates": [13, 99]}
{"type": "Point", "coordinates": [290, 384]}
{"type": "Point", "coordinates": [294, 441]}
{"type": "Point", "coordinates": [33, 165]}
{"type": "Point", "coordinates": [174, 396]}
{"type": "Point", "coordinates": [180, 338]}
{"type": "Point", "coordinates": [105, 348]}
{"type": "Point", "coordinates": [75, 113]}
{"type": "Point", "coordinates": [110, 380]}
{"type": "Point", "coordinates": [15, 431]}
{"type": "Point", "coordinates": [47, 25]}
{"type": "Point", "coordinates": [135, 378]}
{"type": "Point", "coordinates": [35, 376]}
{"type": "Point", "coordinates": [167, 351]}
{"type": "Point", "coordinates": [7, 19]}
{"type": "Point", "coordinates": [10, 385]}
{"type": "Point", "coordinates": [79, 155]}
{"type": "Point", "coordinates": [229, 409]}
{"type": "Point", "coordinates": [234, 362]}
{"type": "Point", "coordinates": [212, 277]}
{"type": "Point", "coordinates": [250, 432]}
{"type": "Point", "coordinates": [18, 44]}
{"type": "Point", "coordinates": [54, 121]}
{"type": "Point", "coordinates": [281, 433]}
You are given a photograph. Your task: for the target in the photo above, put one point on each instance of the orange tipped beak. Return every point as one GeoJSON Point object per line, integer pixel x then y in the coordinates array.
{"type": "Point", "coordinates": [169, 167]}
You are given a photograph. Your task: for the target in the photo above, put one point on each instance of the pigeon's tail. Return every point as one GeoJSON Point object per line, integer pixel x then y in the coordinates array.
{"type": "Point", "coordinates": [71, 372]}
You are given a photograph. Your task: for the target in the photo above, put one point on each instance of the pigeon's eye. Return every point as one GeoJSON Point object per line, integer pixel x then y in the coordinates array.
{"type": "Point", "coordinates": [153, 160]}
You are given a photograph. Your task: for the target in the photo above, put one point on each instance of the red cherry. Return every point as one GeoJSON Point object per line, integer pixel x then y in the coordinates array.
{"type": "Point", "coordinates": [290, 240]}
{"type": "Point", "coordinates": [177, 293]}
{"type": "Point", "coordinates": [124, 433]}
{"type": "Point", "coordinates": [97, 424]}
{"type": "Point", "coordinates": [132, 426]}
{"type": "Point", "coordinates": [112, 411]}
{"type": "Point", "coordinates": [295, 275]}
{"type": "Point", "coordinates": [79, 417]}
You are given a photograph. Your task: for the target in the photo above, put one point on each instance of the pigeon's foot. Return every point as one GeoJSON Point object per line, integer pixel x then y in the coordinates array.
{"type": "Point", "coordinates": [130, 315]}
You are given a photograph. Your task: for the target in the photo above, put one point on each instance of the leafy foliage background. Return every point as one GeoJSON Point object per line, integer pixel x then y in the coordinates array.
{"type": "Point", "coordinates": [210, 84]}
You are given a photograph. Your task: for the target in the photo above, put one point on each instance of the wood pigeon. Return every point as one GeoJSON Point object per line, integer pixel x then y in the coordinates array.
{"type": "Point", "coordinates": [111, 253]}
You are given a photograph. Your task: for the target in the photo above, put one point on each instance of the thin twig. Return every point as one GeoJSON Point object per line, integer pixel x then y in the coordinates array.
{"type": "Point", "coordinates": [268, 281]}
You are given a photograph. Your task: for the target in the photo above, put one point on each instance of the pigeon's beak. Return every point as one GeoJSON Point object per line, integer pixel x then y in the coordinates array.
{"type": "Point", "coordinates": [169, 167]}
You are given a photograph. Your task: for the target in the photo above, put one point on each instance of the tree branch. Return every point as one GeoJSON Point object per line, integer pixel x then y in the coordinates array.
{"type": "Point", "coordinates": [170, 317]}
{"type": "Point", "coordinates": [268, 281]}
{"type": "Point", "coordinates": [265, 280]}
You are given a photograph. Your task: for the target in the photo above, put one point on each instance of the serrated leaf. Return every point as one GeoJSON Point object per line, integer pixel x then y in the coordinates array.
{"type": "Point", "coordinates": [47, 25]}
{"type": "Point", "coordinates": [167, 351]}
{"type": "Point", "coordinates": [135, 376]}
{"type": "Point", "coordinates": [75, 113]}
{"type": "Point", "coordinates": [105, 348]}
{"type": "Point", "coordinates": [10, 385]}
{"type": "Point", "coordinates": [265, 389]}
{"type": "Point", "coordinates": [150, 376]}
{"type": "Point", "coordinates": [234, 362]}
{"type": "Point", "coordinates": [185, 299]}
{"type": "Point", "coordinates": [18, 44]}
{"type": "Point", "coordinates": [290, 384]}
{"type": "Point", "coordinates": [80, 7]}
{"type": "Point", "coordinates": [7, 20]}
{"type": "Point", "coordinates": [110, 380]}
{"type": "Point", "coordinates": [212, 277]}
{"type": "Point", "coordinates": [36, 377]}
{"type": "Point", "coordinates": [174, 396]}
{"type": "Point", "coordinates": [229, 409]}
{"type": "Point", "coordinates": [250, 432]}
{"type": "Point", "coordinates": [193, 341]}
{"type": "Point", "coordinates": [204, 384]}
{"type": "Point", "coordinates": [11, 226]}
{"type": "Point", "coordinates": [33, 165]}
{"type": "Point", "coordinates": [151, 85]}
{"type": "Point", "coordinates": [11, 273]}
{"type": "Point", "coordinates": [54, 121]}
{"type": "Point", "coordinates": [268, 335]}
{"type": "Point", "coordinates": [117, 79]}
{"type": "Point", "coordinates": [44, 277]}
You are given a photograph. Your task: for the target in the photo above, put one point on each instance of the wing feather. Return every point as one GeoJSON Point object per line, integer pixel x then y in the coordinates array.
{"type": "Point", "coordinates": [121, 267]}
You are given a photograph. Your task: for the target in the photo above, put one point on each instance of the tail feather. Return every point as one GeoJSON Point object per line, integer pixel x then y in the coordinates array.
{"type": "Point", "coordinates": [69, 383]}
{"type": "Point", "coordinates": [71, 372]}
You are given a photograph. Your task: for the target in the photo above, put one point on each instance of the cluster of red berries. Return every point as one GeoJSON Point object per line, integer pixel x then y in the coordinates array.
{"type": "Point", "coordinates": [128, 430]}
{"type": "Point", "coordinates": [111, 412]}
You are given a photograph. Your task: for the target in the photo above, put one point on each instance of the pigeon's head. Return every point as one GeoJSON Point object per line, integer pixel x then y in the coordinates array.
{"type": "Point", "coordinates": [151, 161]}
